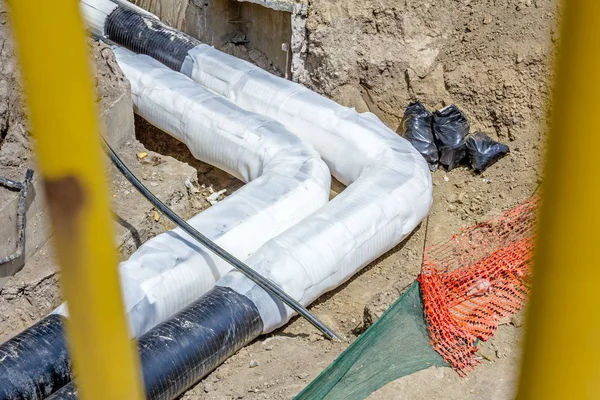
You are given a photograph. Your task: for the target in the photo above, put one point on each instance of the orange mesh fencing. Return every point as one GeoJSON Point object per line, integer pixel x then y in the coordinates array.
{"type": "Point", "coordinates": [476, 279]}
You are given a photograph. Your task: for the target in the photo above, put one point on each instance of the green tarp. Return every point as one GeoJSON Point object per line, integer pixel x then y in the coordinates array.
{"type": "Point", "coordinates": [395, 346]}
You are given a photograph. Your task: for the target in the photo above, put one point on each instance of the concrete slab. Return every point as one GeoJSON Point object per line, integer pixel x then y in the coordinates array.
{"type": "Point", "coordinates": [30, 294]}
{"type": "Point", "coordinates": [117, 119]}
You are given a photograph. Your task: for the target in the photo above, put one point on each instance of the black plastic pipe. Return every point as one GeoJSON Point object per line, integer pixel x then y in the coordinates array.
{"type": "Point", "coordinates": [144, 34]}
{"type": "Point", "coordinates": [35, 363]}
{"type": "Point", "coordinates": [179, 352]}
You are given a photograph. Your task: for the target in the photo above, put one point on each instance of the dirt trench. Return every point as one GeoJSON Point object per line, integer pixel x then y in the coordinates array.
{"type": "Point", "coordinates": [493, 58]}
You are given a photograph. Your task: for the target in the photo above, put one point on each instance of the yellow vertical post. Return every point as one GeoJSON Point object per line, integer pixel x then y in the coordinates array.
{"type": "Point", "coordinates": [54, 60]}
{"type": "Point", "coordinates": [562, 345]}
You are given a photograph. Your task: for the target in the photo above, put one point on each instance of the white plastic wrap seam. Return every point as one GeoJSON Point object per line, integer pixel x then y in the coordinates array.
{"type": "Point", "coordinates": [389, 190]}
{"type": "Point", "coordinates": [287, 182]}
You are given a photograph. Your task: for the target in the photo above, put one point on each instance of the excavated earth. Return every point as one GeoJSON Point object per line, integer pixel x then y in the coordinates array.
{"type": "Point", "coordinates": [492, 58]}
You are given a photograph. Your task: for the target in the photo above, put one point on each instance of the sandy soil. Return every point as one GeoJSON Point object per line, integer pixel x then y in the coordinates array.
{"type": "Point", "coordinates": [491, 58]}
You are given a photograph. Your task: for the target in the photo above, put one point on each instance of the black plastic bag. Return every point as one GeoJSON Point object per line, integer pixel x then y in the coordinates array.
{"type": "Point", "coordinates": [450, 126]}
{"type": "Point", "coordinates": [417, 129]}
{"type": "Point", "coordinates": [483, 151]}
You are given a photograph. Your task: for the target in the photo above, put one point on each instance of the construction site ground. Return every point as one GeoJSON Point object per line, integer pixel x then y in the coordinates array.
{"type": "Point", "coordinates": [492, 58]}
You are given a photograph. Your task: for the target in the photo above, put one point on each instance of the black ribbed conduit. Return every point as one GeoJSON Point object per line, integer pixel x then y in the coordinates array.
{"type": "Point", "coordinates": [184, 349]}
{"type": "Point", "coordinates": [35, 363]}
{"type": "Point", "coordinates": [144, 34]}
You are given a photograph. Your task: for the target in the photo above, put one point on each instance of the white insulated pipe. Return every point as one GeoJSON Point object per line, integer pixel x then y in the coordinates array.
{"type": "Point", "coordinates": [287, 181]}
{"type": "Point", "coordinates": [389, 183]}
{"type": "Point", "coordinates": [389, 190]}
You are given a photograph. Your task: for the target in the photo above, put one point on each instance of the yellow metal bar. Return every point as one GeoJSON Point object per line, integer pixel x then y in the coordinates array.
{"type": "Point", "coordinates": [54, 60]}
{"type": "Point", "coordinates": [562, 345]}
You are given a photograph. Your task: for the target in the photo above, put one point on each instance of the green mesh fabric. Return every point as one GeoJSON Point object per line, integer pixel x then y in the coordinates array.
{"type": "Point", "coordinates": [395, 346]}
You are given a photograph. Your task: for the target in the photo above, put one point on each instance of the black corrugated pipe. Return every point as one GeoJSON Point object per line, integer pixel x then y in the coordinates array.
{"type": "Point", "coordinates": [184, 349]}
{"type": "Point", "coordinates": [35, 363]}
{"type": "Point", "coordinates": [144, 34]}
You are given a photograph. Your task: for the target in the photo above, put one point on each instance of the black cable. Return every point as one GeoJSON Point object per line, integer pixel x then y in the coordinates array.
{"type": "Point", "coordinates": [257, 278]}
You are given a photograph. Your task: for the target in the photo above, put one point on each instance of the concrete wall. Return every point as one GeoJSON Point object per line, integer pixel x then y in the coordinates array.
{"type": "Point", "coordinates": [267, 30]}
{"type": "Point", "coordinates": [212, 21]}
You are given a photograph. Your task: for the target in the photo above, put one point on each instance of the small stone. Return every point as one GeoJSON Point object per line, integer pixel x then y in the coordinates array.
{"type": "Point", "coordinates": [517, 320]}
{"type": "Point", "coordinates": [153, 184]}
{"type": "Point", "coordinates": [269, 348]}
{"type": "Point", "coordinates": [209, 387]}
{"type": "Point", "coordinates": [254, 363]}
{"type": "Point", "coordinates": [452, 208]}
{"type": "Point", "coordinates": [302, 376]}
{"type": "Point", "coordinates": [446, 179]}
{"type": "Point", "coordinates": [487, 20]}
{"type": "Point", "coordinates": [313, 337]}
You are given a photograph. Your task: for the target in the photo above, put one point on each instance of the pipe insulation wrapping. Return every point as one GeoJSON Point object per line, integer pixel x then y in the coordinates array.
{"type": "Point", "coordinates": [95, 13]}
{"type": "Point", "coordinates": [389, 190]}
{"type": "Point", "coordinates": [287, 182]}
{"type": "Point", "coordinates": [389, 193]}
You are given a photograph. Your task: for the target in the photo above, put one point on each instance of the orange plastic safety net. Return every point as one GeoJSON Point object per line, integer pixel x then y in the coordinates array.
{"type": "Point", "coordinates": [475, 280]}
